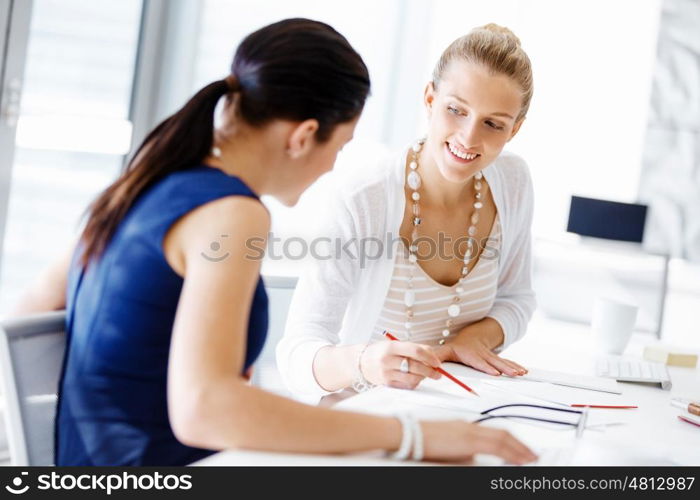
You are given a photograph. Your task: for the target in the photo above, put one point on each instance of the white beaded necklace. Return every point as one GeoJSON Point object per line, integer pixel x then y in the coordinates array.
{"type": "Point", "coordinates": [414, 182]}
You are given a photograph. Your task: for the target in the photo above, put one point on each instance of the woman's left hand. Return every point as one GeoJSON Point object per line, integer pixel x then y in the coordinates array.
{"type": "Point", "coordinates": [473, 351]}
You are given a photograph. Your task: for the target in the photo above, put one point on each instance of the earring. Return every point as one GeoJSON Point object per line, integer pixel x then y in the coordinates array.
{"type": "Point", "coordinates": [216, 152]}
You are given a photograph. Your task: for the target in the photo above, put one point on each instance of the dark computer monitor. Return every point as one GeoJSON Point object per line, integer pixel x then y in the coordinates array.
{"type": "Point", "coordinates": [610, 220]}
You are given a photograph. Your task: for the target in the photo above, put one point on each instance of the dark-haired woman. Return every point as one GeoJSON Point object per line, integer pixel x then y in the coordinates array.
{"type": "Point", "coordinates": [165, 309]}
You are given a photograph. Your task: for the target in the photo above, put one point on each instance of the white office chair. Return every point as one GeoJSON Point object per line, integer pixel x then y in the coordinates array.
{"type": "Point", "coordinates": [31, 354]}
{"type": "Point", "coordinates": [279, 292]}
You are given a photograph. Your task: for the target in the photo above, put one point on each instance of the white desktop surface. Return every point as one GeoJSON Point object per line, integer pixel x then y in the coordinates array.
{"type": "Point", "coordinates": [649, 435]}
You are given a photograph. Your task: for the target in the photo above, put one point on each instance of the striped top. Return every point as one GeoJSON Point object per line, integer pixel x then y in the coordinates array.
{"type": "Point", "coordinates": [432, 298]}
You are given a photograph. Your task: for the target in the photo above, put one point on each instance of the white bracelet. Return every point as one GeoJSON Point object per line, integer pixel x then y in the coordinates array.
{"type": "Point", "coordinates": [418, 445]}
{"type": "Point", "coordinates": [404, 451]}
{"type": "Point", "coordinates": [361, 384]}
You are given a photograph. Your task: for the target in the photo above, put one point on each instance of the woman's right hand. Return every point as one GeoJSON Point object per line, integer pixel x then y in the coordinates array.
{"type": "Point", "coordinates": [459, 441]}
{"type": "Point", "coordinates": [381, 361]}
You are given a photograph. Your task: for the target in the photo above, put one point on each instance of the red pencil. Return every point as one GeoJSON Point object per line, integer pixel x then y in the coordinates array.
{"type": "Point", "coordinates": [616, 407]}
{"type": "Point", "coordinates": [681, 417]}
{"type": "Point", "coordinates": [451, 377]}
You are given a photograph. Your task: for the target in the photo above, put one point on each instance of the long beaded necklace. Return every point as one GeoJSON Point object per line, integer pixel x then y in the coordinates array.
{"type": "Point", "coordinates": [414, 182]}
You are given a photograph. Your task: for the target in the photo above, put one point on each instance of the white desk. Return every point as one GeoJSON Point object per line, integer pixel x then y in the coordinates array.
{"type": "Point", "coordinates": [650, 434]}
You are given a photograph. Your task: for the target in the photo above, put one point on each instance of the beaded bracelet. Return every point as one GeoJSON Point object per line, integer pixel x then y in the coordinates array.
{"type": "Point", "coordinates": [407, 429]}
{"type": "Point", "coordinates": [418, 445]}
{"type": "Point", "coordinates": [361, 384]}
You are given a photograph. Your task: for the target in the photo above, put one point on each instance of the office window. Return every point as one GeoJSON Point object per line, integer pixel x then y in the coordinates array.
{"type": "Point", "coordinates": [370, 27]}
{"type": "Point", "coordinates": [73, 130]}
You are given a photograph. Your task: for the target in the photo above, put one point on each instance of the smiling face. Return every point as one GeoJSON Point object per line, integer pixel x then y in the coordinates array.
{"type": "Point", "coordinates": [472, 115]}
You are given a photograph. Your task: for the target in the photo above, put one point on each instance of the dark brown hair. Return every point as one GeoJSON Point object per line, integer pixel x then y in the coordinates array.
{"type": "Point", "coordinates": [294, 69]}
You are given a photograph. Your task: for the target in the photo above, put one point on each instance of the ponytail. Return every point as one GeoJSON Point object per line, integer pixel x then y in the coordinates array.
{"type": "Point", "coordinates": [293, 69]}
{"type": "Point", "coordinates": [179, 142]}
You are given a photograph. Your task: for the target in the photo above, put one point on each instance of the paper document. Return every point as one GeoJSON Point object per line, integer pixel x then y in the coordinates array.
{"type": "Point", "coordinates": [431, 399]}
{"type": "Point", "coordinates": [599, 451]}
{"type": "Point", "coordinates": [538, 375]}
{"type": "Point", "coordinates": [581, 381]}
{"type": "Point", "coordinates": [559, 394]}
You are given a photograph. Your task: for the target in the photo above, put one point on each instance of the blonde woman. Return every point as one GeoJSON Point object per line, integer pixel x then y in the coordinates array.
{"type": "Point", "coordinates": [456, 284]}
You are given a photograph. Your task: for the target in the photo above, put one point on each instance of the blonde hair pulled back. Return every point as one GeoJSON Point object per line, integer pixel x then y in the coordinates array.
{"type": "Point", "coordinates": [498, 50]}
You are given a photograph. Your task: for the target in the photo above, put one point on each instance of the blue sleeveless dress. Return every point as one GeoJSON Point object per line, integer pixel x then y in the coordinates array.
{"type": "Point", "coordinates": [112, 398]}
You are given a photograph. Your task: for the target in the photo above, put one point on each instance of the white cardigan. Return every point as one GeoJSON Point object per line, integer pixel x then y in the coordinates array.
{"type": "Point", "coordinates": [338, 300]}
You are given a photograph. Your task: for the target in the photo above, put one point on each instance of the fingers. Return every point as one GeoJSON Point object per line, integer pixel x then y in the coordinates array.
{"type": "Point", "coordinates": [405, 380]}
{"type": "Point", "coordinates": [502, 444]}
{"type": "Point", "coordinates": [521, 370]}
{"type": "Point", "coordinates": [510, 449]}
{"type": "Point", "coordinates": [522, 451]}
{"type": "Point", "coordinates": [490, 363]}
{"type": "Point", "coordinates": [418, 352]}
{"type": "Point", "coordinates": [421, 359]}
{"type": "Point", "coordinates": [517, 452]}
{"type": "Point", "coordinates": [481, 364]}
{"type": "Point", "coordinates": [506, 366]}
{"type": "Point", "coordinates": [417, 368]}
{"type": "Point", "coordinates": [383, 359]}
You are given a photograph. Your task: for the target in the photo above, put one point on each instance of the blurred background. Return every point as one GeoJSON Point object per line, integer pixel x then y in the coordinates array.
{"type": "Point", "coordinates": [615, 116]}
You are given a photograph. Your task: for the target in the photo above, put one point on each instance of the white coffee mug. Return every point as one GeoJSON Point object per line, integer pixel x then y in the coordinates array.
{"type": "Point", "coordinates": [612, 324]}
